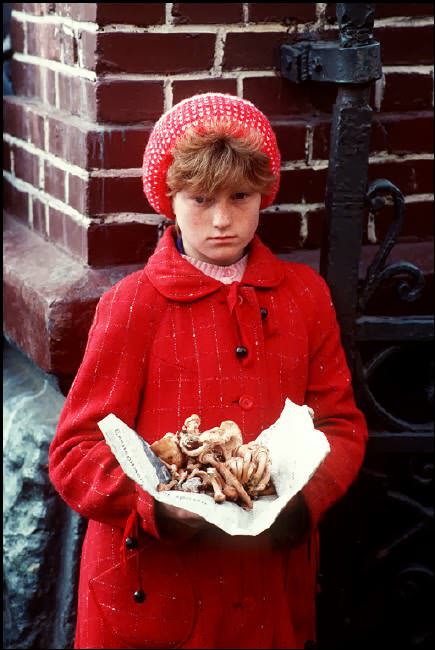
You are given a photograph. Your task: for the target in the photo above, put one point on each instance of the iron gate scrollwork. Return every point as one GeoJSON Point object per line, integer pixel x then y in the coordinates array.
{"type": "Point", "coordinates": [376, 579]}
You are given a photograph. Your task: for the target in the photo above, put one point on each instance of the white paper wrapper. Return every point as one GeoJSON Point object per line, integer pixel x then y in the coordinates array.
{"type": "Point", "coordinates": [296, 450]}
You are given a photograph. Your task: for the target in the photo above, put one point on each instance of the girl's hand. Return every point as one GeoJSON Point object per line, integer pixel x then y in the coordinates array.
{"type": "Point", "coordinates": [179, 515]}
{"type": "Point", "coordinates": [177, 522]}
{"type": "Point", "coordinates": [293, 523]}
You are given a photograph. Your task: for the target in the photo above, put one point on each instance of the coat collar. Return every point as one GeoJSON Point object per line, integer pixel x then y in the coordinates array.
{"type": "Point", "coordinates": [175, 278]}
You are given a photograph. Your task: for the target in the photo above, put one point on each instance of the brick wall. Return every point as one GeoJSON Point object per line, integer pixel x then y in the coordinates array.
{"type": "Point", "coordinates": [90, 80]}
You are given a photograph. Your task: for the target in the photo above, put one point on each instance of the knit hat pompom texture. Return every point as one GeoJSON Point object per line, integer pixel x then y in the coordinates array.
{"type": "Point", "coordinates": [196, 111]}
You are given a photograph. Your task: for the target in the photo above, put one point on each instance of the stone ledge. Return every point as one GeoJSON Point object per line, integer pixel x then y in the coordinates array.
{"type": "Point", "coordinates": [49, 299]}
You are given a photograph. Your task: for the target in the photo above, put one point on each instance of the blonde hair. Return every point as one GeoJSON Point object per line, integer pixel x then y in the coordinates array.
{"type": "Point", "coordinates": [219, 155]}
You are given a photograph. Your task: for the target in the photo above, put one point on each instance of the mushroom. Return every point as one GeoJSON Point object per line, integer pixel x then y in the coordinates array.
{"type": "Point", "coordinates": [215, 459]}
{"type": "Point", "coordinates": [228, 478]}
{"type": "Point", "coordinates": [210, 478]}
{"type": "Point", "coordinates": [191, 425]}
{"type": "Point", "coordinates": [163, 487]}
{"type": "Point", "coordinates": [261, 456]}
{"type": "Point", "coordinates": [230, 492]}
{"type": "Point", "coordinates": [168, 450]}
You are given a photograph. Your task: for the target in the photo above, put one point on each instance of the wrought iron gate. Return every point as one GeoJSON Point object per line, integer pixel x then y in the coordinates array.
{"type": "Point", "coordinates": [376, 581]}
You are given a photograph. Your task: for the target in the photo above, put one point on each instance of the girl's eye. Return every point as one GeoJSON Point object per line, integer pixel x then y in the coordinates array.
{"type": "Point", "coordinates": [239, 196]}
{"type": "Point", "coordinates": [200, 200]}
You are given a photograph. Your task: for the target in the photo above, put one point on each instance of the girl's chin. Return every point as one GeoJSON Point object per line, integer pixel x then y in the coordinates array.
{"type": "Point", "coordinates": [222, 260]}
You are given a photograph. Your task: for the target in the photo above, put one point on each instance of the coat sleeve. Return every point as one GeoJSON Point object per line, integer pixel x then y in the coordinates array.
{"type": "Point", "coordinates": [330, 394]}
{"type": "Point", "coordinates": [81, 465]}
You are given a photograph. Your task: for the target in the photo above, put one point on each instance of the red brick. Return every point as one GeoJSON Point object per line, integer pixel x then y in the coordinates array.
{"type": "Point", "coordinates": [6, 157]}
{"type": "Point", "coordinates": [48, 86]}
{"type": "Point", "coordinates": [407, 92]}
{"type": "Point", "coordinates": [321, 139]}
{"type": "Point", "coordinates": [14, 121]}
{"type": "Point", "coordinates": [129, 101]}
{"type": "Point", "coordinates": [78, 193]}
{"type": "Point", "coordinates": [302, 185]}
{"type": "Point", "coordinates": [87, 44]}
{"type": "Point", "coordinates": [389, 9]}
{"type": "Point", "coordinates": [183, 89]}
{"type": "Point", "coordinates": [75, 238]}
{"type": "Point", "coordinates": [116, 243]}
{"type": "Point", "coordinates": [26, 166]}
{"type": "Point", "coordinates": [68, 234]}
{"type": "Point", "coordinates": [117, 147]}
{"type": "Point", "coordinates": [91, 147]}
{"type": "Point", "coordinates": [153, 53]}
{"type": "Point", "coordinates": [67, 139]}
{"type": "Point", "coordinates": [330, 13]}
{"type": "Point", "coordinates": [43, 40]}
{"type": "Point", "coordinates": [253, 51]}
{"type": "Point", "coordinates": [39, 222]}
{"type": "Point", "coordinates": [106, 195]}
{"type": "Point", "coordinates": [68, 47]}
{"type": "Point", "coordinates": [417, 226]}
{"type": "Point", "coordinates": [315, 220]}
{"type": "Point", "coordinates": [290, 136]}
{"type": "Point", "coordinates": [36, 8]}
{"type": "Point", "coordinates": [35, 128]}
{"type": "Point", "coordinates": [283, 12]}
{"type": "Point", "coordinates": [136, 13]}
{"type": "Point", "coordinates": [83, 97]}
{"type": "Point", "coordinates": [407, 9]}
{"type": "Point", "coordinates": [410, 176]}
{"type": "Point", "coordinates": [54, 181]}
{"type": "Point", "coordinates": [56, 226]}
{"type": "Point", "coordinates": [277, 96]}
{"type": "Point", "coordinates": [398, 133]}
{"type": "Point", "coordinates": [405, 45]}
{"type": "Point", "coordinates": [76, 95]}
{"type": "Point", "coordinates": [17, 35]}
{"type": "Point", "coordinates": [116, 194]}
{"type": "Point", "coordinates": [205, 13]}
{"type": "Point", "coordinates": [15, 201]}
{"type": "Point", "coordinates": [403, 133]}
{"type": "Point", "coordinates": [22, 120]}
{"type": "Point", "coordinates": [66, 92]}
{"type": "Point", "coordinates": [280, 231]}
{"type": "Point", "coordinates": [25, 79]}
{"type": "Point", "coordinates": [85, 11]}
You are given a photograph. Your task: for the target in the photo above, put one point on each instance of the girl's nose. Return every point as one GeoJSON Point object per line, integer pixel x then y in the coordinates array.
{"type": "Point", "coordinates": [221, 214]}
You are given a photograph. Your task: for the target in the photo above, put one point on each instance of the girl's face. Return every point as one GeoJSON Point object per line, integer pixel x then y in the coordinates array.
{"type": "Point", "coordinates": [216, 229]}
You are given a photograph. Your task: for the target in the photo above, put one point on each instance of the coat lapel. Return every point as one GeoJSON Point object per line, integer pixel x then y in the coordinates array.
{"type": "Point", "coordinates": [176, 279]}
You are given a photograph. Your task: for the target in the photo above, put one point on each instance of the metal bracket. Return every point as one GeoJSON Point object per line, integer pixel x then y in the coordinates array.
{"type": "Point", "coordinates": [323, 61]}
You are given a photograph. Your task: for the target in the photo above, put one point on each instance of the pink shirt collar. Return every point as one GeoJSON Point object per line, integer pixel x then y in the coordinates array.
{"type": "Point", "coordinates": [225, 274]}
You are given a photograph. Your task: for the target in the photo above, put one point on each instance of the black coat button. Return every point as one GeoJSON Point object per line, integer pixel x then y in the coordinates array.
{"type": "Point", "coordinates": [263, 312]}
{"type": "Point", "coordinates": [241, 351]}
{"type": "Point", "coordinates": [139, 596]}
{"type": "Point", "coordinates": [131, 543]}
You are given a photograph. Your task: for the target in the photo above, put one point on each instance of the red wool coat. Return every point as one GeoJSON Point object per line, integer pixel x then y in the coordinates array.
{"type": "Point", "coordinates": [162, 346]}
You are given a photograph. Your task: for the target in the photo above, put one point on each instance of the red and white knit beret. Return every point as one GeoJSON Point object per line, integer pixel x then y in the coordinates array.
{"type": "Point", "coordinates": [196, 111]}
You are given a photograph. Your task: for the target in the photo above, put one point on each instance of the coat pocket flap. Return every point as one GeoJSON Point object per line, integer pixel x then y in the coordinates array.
{"type": "Point", "coordinates": [165, 618]}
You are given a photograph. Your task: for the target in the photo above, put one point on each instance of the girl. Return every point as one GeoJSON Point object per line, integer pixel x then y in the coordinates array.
{"type": "Point", "coordinates": [215, 325]}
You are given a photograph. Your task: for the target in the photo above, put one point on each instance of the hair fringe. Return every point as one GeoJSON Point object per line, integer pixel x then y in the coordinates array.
{"type": "Point", "coordinates": [217, 155]}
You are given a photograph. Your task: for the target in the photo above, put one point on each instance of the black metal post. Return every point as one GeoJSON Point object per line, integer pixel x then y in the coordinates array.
{"type": "Point", "coordinates": [347, 178]}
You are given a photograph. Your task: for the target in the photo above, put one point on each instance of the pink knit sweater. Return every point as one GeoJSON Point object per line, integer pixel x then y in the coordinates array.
{"type": "Point", "coordinates": [225, 274]}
